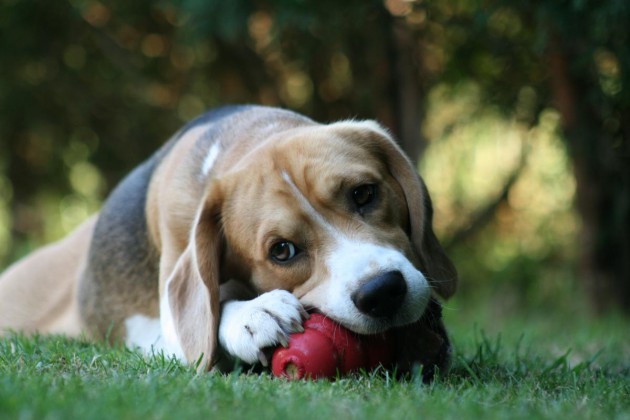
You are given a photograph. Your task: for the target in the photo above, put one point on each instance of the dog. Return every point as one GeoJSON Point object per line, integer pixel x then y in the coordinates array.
{"type": "Point", "coordinates": [218, 246]}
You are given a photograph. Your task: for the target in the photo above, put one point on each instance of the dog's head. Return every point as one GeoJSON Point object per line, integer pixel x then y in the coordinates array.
{"type": "Point", "coordinates": [337, 215]}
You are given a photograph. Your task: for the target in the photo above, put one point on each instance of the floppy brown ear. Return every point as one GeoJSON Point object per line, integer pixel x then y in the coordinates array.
{"type": "Point", "coordinates": [435, 264]}
{"type": "Point", "coordinates": [193, 291]}
{"type": "Point", "coordinates": [438, 267]}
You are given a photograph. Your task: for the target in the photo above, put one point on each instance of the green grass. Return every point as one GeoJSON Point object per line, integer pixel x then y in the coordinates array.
{"type": "Point", "coordinates": [533, 366]}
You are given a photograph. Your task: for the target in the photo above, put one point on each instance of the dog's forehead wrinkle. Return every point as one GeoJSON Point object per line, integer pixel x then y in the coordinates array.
{"type": "Point", "coordinates": [306, 204]}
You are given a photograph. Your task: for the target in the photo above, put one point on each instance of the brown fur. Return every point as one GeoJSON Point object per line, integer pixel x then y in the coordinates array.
{"type": "Point", "coordinates": [38, 293]}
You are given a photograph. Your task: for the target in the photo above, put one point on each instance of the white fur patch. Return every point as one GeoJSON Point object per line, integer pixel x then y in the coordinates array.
{"type": "Point", "coordinates": [210, 159]}
{"type": "Point", "coordinates": [170, 340]}
{"type": "Point", "coordinates": [246, 327]}
{"type": "Point", "coordinates": [144, 332]}
{"type": "Point", "coordinates": [147, 334]}
{"type": "Point", "coordinates": [353, 263]}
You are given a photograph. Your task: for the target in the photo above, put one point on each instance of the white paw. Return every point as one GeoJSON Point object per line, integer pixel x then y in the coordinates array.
{"type": "Point", "coordinates": [247, 327]}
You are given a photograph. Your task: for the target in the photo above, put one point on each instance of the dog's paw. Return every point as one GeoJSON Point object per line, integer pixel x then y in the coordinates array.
{"type": "Point", "coordinates": [247, 327]}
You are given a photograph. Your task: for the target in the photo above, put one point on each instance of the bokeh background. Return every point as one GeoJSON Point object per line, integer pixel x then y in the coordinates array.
{"type": "Point", "coordinates": [517, 113]}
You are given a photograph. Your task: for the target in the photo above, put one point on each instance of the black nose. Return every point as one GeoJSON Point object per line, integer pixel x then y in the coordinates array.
{"type": "Point", "coordinates": [382, 295]}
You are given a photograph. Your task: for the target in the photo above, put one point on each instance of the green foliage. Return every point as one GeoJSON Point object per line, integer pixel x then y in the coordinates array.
{"type": "Point", "coordinates": [526, 252]}
{"type": "Point", "coordinates": [504, 45]}
{"type": "Point", "coordinates": [325, 20]}
{"type": "Point", "coordinates": [87, 85]}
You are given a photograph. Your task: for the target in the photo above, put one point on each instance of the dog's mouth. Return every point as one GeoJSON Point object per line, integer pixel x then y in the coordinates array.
{"type": "Point", "coordinates": [375, 322]}
{"type": "Point", "coordinates": [344, 325]}
{"type": "Point", "coordinates": [363, 325]}
{"type": "Point", "coordinates": [391, 297]}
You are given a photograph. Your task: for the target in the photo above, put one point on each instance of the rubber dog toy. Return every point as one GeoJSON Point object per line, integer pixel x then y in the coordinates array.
{"type": "Point", "coordinates": [326, 349]}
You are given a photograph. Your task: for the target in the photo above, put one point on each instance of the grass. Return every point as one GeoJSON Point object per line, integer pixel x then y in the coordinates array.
{"type": "Point", "coordinates": [535, 367]}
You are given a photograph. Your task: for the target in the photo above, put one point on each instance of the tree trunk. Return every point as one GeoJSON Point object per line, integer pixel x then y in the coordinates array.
{"type": "Point", "coordinates": [602, 173]}
{"type": "Point", "coordinates": [408, 89]}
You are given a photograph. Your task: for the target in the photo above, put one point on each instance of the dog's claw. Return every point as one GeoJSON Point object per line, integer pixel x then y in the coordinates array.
{"type": "Point", "coordinates": [297, 327]}
{"type": "Point", "coordinates": [263, 359]}
{"type": "Point", "coordinates": [303, 313]}
{"type": "Point", "coordinates": [283, 339]}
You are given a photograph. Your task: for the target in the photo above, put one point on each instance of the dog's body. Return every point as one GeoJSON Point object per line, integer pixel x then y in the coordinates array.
{"type": "Point", "coordinates": [245, 218]}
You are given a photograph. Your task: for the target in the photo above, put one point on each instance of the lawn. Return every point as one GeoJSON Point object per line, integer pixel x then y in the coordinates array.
{"type": "Point", "coordinates": [524, 365]}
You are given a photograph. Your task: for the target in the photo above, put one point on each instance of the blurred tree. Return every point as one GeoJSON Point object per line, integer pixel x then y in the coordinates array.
{"type": "Point", "coordinates": [86, 84]}
{"type": "Point", "coordinates": [589, 74]}
{"type": "Point", "coordinates": [574, 56]}
{"type": "Point", "coordinates": [77, 82]}
{"type": "Point", "coordinates": [106, 83]}
{"type": "Point", "coordinates": [328, 59]}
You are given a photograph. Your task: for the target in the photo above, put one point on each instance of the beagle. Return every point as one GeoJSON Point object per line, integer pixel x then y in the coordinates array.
{"type": "Point", "coordinates": [218, 246]}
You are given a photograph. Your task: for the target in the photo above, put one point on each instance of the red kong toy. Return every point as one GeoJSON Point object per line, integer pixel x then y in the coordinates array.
{"type": "Point", "coordinates": [325, 348]}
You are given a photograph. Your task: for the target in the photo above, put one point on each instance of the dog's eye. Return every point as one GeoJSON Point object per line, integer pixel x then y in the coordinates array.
{"type": "Point", "coordinates": [363, 195]}
{"type": "Point", "coordinates": [283, 251]}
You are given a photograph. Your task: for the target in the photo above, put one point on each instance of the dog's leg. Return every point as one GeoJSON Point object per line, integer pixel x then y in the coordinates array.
{"type": "Point", "coordinates": [247, 327]}
{"type": "Point", "coordinates": [38, 293]}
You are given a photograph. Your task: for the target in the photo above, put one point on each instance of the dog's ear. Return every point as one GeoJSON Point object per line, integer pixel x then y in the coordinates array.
{"type": "Point", "coordinates": [193, 289]}
{"type": "Point", "coordinates": [439, 268]}
{"type": "Point", "coordinates": [435, 264]}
